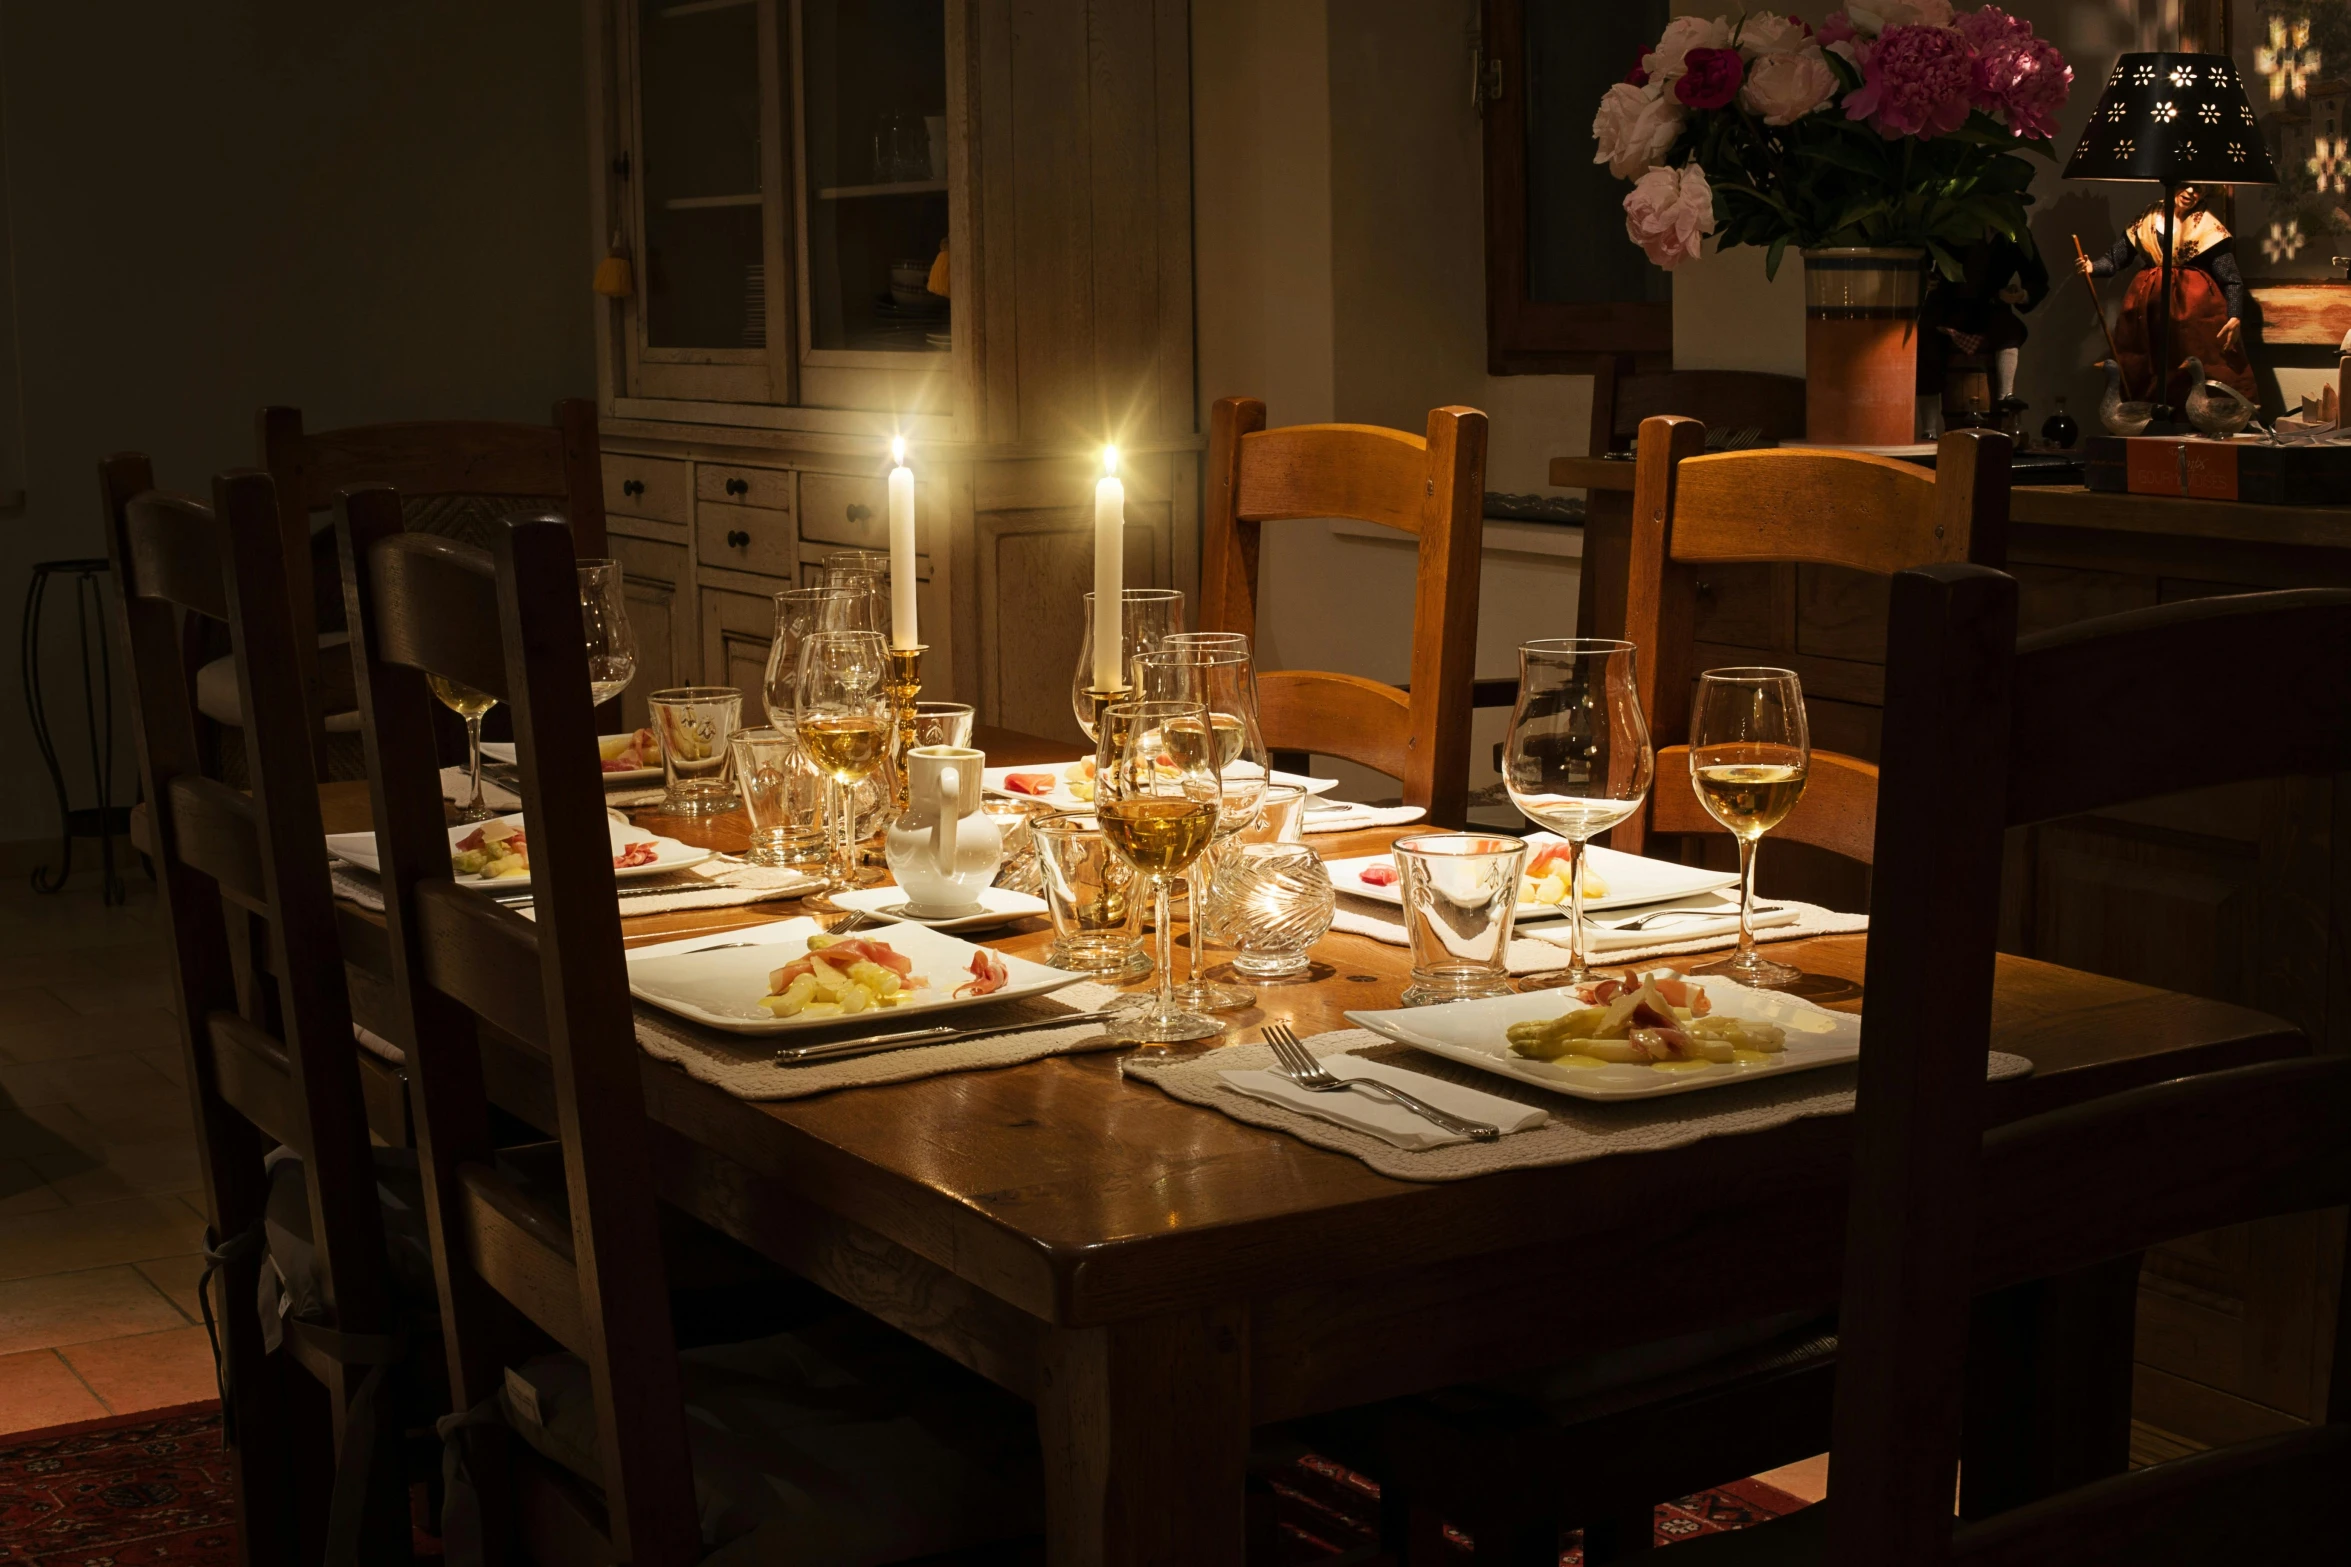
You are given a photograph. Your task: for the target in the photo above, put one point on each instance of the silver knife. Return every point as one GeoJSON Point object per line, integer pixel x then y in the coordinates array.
{"type": "Point", "coordinates": [944, 1034]}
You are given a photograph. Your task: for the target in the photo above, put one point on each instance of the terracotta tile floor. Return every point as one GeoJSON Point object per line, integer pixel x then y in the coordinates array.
{"type": "Point", "coordinates": [101, 1203]}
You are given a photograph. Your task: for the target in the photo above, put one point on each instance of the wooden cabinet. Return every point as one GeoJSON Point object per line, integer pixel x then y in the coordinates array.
{"type": "Point", "coordinates": [661, 612]}
{"type": "Point", "coordinates": [737, 630]}
{"type": "Point", "coordinates": [779, 172]}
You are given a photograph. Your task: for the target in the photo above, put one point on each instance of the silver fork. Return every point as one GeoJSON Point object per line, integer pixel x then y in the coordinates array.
{"type": "Point", "coordinates": [1297, 1063]}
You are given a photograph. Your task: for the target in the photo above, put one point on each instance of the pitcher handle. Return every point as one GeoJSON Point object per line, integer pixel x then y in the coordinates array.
{"type": "Point", "coordinates": [950, 808]}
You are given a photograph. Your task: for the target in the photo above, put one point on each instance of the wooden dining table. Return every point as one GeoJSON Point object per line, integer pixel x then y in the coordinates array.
{"type": "Point", "coordinates": [1160, 1279]}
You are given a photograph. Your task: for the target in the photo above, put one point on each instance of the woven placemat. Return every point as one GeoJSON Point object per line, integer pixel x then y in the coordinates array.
{"type": "Point", "coordinates": [1579, 1129]}
{"type": "Point", "coordinates": [745, 1066]}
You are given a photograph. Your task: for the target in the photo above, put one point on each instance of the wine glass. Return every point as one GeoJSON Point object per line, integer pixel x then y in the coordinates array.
{"type": "Point", "coordinates": [1146, 618]}
{"type": "Point", "coordinates": [1222, 679]}
{"type": "Point", "coordinates": [1577, 758]}
{"type": "Point", "coordinates": [604, 618]}
{"type": "Point", "coordinates": [1750, 749]}
{"type": "Point", "coordinates": [1158, 810]}
{"type": "Point", "coordinates": [866, 595]}
{"type": "Point", "coordinates": [799, 612]}
{"type": "Point", "coordinates": [470, 705]}
{"type": "Point", "coordinates": [842, 704]}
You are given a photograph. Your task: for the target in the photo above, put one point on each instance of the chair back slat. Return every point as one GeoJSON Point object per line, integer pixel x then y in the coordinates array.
{"type": "Point", "coordinates": [1432, 487]}
{"type": "Point", "coordinates": [1337, 715]}
{"type": "Point", "coordinates": [1940, 1209]}
{"type": "Point", "coordinates": [510, 622]}
{"type": "Point", "coordinates": [265, 1020]}
{"type": "Point", "coordinates": [472, 950]}
{"type": "Point", "coordinates": [1791, 506]}
{"type": "Point", "coordinates": [2092, 698]}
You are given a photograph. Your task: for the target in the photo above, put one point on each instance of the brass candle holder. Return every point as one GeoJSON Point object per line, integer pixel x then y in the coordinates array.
{"type": "Point", "coordinates": [905, 691]}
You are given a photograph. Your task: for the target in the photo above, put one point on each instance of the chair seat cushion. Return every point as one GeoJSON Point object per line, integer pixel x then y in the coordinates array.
{"type": "Point", "coordinates": [218, 699]}
{"type": "Point", "coordinates": [841, 1444]}
{"type": "Point", "coordinates": [290, 1286]}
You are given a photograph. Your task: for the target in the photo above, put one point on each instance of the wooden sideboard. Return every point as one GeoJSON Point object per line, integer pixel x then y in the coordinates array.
{"type": "Point", "coordinates": [2241, 894]}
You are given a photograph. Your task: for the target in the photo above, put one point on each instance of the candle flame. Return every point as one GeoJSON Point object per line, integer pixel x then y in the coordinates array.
{"type": "Point", "coordinates": [898, 450]}
{"type": "Point", "coordinates": [1110, 460]}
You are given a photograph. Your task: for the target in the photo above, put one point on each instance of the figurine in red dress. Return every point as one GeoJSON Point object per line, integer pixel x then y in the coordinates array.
{"type": "Point", "coordinates": [2208, 299]}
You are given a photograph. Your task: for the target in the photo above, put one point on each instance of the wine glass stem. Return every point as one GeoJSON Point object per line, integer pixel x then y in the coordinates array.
{"type": "Point", "coordinates": [1196, 891]}
{"type": "Point", "coordinates": [840, 832]}
{"type": "Point", "coordinates": [473, 755]}
{"type": "Point", "coordinates": [1576, 966]}
{"type": "Point", "coordinates": [1163, 945]}
{"type": "Point", "coordinates": [1747, 848]}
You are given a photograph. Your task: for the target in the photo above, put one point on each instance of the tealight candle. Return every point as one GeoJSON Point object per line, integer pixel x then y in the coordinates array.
{"type": "Point", "coordinates": [1110, 526]}
{"type": "Point", "coordinates": [903, 631]}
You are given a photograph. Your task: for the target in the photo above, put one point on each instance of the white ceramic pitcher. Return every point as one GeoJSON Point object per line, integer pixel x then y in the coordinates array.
{"type": "Point", "coordinates": [944, 849]}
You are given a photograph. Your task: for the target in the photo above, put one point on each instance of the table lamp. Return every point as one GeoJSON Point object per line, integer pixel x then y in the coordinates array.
{"type": "Point", "coordinates": [2176, 119]}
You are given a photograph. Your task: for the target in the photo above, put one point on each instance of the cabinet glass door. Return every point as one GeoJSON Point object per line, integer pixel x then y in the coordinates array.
{"type": "Point", "coordinates": [709, 189]}
{"type": "Point", "coordinates": [873, 121]}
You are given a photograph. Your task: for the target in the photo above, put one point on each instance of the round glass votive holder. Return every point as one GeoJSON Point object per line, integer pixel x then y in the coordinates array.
{"type": "Point", "coordinates": [1014, 819]}
{"type": "Point", "coordinates": [943, 723]}
{"type": "Point", "coordinates": [1273, 902]}
{"type": "Point", "coordinates": [782, 794]}
{"type": "Point", "coordinates": [1460, 900]}
{"type": "Point", "coordinates": [694, 724]}
{"type": "Point", "coordinates": [1093, 897]}
{"type": "Point", "coordinates": [1281, 816]}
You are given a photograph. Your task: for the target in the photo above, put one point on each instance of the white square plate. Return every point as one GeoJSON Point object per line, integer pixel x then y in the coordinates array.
{"type": "Point", "coordinates": [1632, 880]}
{"type": "Point", "coordinates": [503, 751]}
{"type": "Point", "coordinates": [722, 986]}
{"type": "Point", "coordinates": [359, 848]}
{"type": "Point", "coordinates": [1471, 1032]}
{"type": "Point", "coordinates": [1062, 800]}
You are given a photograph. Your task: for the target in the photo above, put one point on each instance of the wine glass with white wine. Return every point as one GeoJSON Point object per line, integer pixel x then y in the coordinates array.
{"type": "Point", "coordinates": [470, 705]}
{"type": "Point", "coordinates": [1158, 808]}
{"type": "Point", "coordinates": [1750, 750]}
{"type": "Point", "coordinates": [1577, 758]}
{"type": "Point", "coordinates": [842, 704]}
{"type": "Point", "coordinates": [1222, 678]}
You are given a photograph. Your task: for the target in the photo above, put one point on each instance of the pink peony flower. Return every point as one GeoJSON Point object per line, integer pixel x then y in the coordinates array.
{"type": "Point", "coordinates": [1635, 128]}
{"type": "Point", "coordinates": [1987, 29]}
{"type": "Point", "coordinates": [1767, 32]}
{"type": "Point", "coordinates": [1669, 212]}
{"type": "Point", "coordinates": [1783, 88]}
{"type": "Point", "coordinates": [1835, 28]}
{"type": "Point", "coordinates": [1710, 78]}
{"type": "Point", "coordinates": [1683, 34]}
{"type": "Point", "coordinates": [2025, 83]}
{"type": "Point", "coordinates": [1917, 81]}
{"type": "Point", "coordinates": [1636, 77]}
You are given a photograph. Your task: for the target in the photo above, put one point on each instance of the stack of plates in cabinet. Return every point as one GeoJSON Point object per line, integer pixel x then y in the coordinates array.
{"type": "Point", "coordinates": [755, 305]}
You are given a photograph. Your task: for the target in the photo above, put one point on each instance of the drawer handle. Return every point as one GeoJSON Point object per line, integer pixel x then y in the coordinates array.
{"type": "Point", "coordinates": [632, 486]}
{"type": "Point", "coordinates": [858, 511]}
{"type": "Point", "coordinates": [738, 539]}
{"type": "Point", "coordinates": [738, 486]}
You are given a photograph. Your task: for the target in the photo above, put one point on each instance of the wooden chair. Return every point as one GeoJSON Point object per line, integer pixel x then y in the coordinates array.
{"type": "Point", "coordinates": [456, 477]}
{"type": "Point", "coordinates": [1433, 488]}
{"type": "Point", "coordinates": [553, 1296]}
{"type": "Point", "coordinates": [1726, 400]}
{"type": "Point", "coordinates": [1983, 734]}
{"type": "Point", "coordinates": [1798, 506]}
{"type": "Point", "coordinates": [266, 1026]}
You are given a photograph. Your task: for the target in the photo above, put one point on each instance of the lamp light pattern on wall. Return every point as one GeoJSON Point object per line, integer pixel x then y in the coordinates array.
{"type": "Point", "coordinates": [2287, 62]}
{"type": "Point", "coordinates": [2284, 241]}
{"type": "Point", "coordinates": [2330, 163]}
{"type": "Point", "coordinates": [2179, 118]}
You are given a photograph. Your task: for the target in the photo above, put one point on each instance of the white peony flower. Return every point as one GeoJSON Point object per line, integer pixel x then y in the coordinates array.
{"type": "Point", "coordinates": [1634, 128]}
{"type": "Point", "coordinates": [1768, 32]}
{"type": "Point", "coordinates": [1669, 212]}
{"type": "Point", "coordinates": [1683, 34]}
{"type": "Point", "coordinates": [1783, 88]}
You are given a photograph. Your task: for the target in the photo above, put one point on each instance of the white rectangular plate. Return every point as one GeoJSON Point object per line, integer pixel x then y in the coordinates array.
{"type": "Point", "coordinates": [1061, 798]}
{"type": "Point", "coordinates": [503, 751]}
{"type": "Point", "coordinates": [1632, 880]}
{"type": "Point", "coordinates": [359, 848]}
{"type": "Point", "coordinates": [722, 987]}
{"type": "Point", "coordinates": [1471, 1032]}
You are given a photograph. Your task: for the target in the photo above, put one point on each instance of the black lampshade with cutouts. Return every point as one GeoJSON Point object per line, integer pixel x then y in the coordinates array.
{"type": "Point", "coordinates": [2178, 118]}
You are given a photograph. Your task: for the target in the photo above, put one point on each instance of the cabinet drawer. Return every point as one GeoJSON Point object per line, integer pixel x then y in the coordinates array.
{"type": "Point", "coordinates": [770, 488]}
{"type": "Point", "coordinates": [648, 487]}
{"type": "Point", "coordinates": [744, 538]}
{"type": "Point", "coordinates": [838, 509]}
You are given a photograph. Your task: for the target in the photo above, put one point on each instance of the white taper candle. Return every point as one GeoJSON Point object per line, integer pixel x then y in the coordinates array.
{"type": "Point", "coordinates": [1110, 526]}
{"type": "Point", "coordinates": [903, 630]}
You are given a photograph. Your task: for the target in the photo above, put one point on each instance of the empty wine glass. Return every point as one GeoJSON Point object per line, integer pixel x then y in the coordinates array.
{"type": "Point", "coordinates": [1221, 678]}
{"type": "Point", "coordinates": [1146, 617]}
{"type": "Point", "coordinates": [470, 705]}
{"type": "Point", "coordinates": [842, 705]}
{"type": "Point", "coordinates": [867, 596]}
{"type": "Point", "coordinates": [604, 619]}
{"type": "Point", "coordinates": [799, 612]}
{"type": "Point", "coordinates": [1158, 811]}
{"type": "Point", "coordinates": [1750, 750]}
{"type": "Point", "coordinates": [1577, 758]}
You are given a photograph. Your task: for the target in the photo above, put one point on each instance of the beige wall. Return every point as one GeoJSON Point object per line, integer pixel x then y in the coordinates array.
{"type": "Point", "coordinates": [370, 211]}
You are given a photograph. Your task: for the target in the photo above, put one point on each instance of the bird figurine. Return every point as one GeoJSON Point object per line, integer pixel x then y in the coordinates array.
{"type": "Point", "coordinates": [2216, 408]}
{"type": "Point", "coordinates": [2121, 417]}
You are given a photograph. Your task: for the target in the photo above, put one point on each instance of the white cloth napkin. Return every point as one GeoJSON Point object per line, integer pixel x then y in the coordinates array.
{"type": "Point", "coordinates": [457, 788]}
{"type": "Point", "coordinates": [1708, 916]}
{"type": "Point", "coordinates": [1352, 817]}
{"type": "Point", "coordinates": [1379, 1116]}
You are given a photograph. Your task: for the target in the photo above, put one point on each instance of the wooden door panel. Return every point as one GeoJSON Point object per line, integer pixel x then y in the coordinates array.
{"type": "Point", "coordinates": [658, 583]}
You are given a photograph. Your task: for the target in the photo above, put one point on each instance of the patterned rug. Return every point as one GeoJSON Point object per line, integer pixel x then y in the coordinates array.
{"type": "Point", "coordinates": [1323, 1510]}
{"type": "Point", "coordinates": [148, 1490]}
